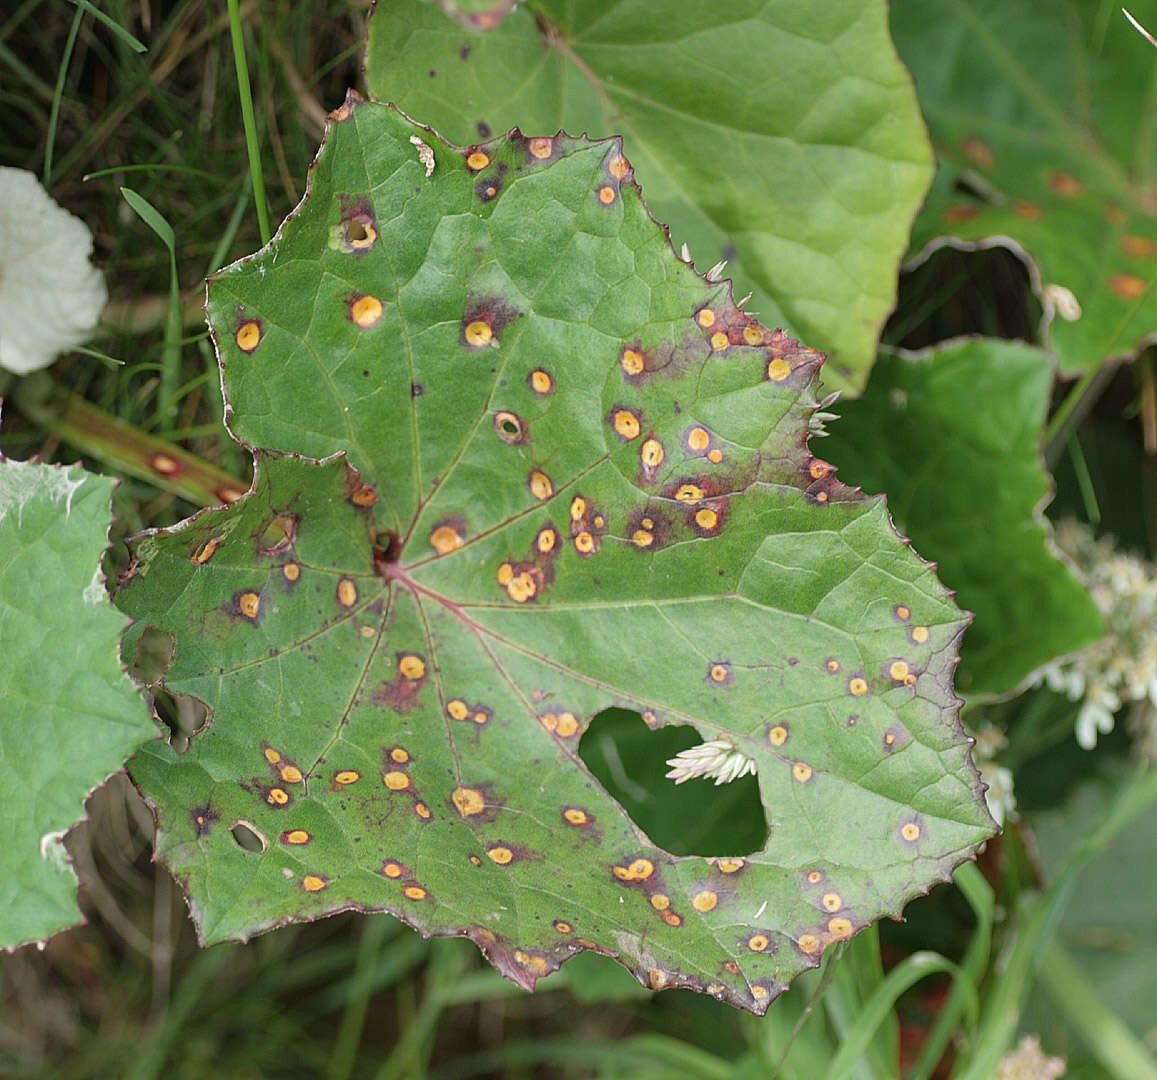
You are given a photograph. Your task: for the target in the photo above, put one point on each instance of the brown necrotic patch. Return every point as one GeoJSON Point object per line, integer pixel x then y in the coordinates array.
{"type": "Point", "coordinates": [203, 818]}
{"type": "Point", "coordinates": [647, 529]}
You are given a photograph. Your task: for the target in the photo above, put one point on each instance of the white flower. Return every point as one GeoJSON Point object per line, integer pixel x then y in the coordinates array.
{"type": "Point", "coordinates": [716, 757]}
{"type": "Point", "coordinates": [1092, 718]}
{"type": "Point", "coordinates": [1029, 1062]}
{"type": "Point", "coordinates": [50, 295]}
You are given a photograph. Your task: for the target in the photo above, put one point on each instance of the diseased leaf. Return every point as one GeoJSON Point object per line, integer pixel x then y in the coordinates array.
{"type": "Point", "coordinates": [477, 14]}
{"type": "Point", "coordinates": [70, 715]}
{"type": "Point", "coordinates": [1047, 142]}
{"type": "Point", "coordinates": [784, 137]}
{"type": "Point", "coordinates": [953, 436]}
{"type": "Point", "coordinates": [575, 477]}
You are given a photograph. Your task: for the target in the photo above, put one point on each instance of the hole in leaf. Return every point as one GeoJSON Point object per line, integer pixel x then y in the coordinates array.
{"type": "Point", "coordinates": [248, 837]}
{"type": "Point", "coordinates": [279, 535]}
{"type": "Point", "coordinates": [692, 818]}
{"type": "Point", "coordinates": [355, 230]}
{"type": "Point", "coordinates": [182, 715]}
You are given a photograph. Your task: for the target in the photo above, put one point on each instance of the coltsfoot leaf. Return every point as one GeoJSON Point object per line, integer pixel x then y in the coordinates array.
{"type": "Point", "coordinates": [561, 472]}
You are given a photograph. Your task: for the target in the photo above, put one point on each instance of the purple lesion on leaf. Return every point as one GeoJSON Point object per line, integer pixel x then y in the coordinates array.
{"type": "Point", "coordinates": [484, 319]}
{"type": "Point", "coordinates": [356, 231]}
{"type": "Point", "coordinates": [204, 818]}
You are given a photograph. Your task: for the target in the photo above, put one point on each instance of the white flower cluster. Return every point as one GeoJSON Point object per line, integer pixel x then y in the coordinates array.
{"type": "Point", "coordinates": [715, 758]}
{"type": "Point", "coordinates": [1000, 795]}
{"type": "Point", "coordinates": [1122, 667]}
{"type": "Point", "coordinates": [1029, 1062]}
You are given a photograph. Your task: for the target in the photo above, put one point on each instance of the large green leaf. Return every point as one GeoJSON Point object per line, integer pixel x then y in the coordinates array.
{"type": "Point", "coordinates": [70, 714]}
{"type": "Point", "coordinates": [784, 137]}
{"type": "Point", "coordinates": [581, 481]}
{"type": "Point", "coordinates": [953, 436]}
{"type": "Point", "coordinates": [1043, 111]}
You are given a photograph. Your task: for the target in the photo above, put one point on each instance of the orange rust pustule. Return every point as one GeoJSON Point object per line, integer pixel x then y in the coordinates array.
{"type": "Point", "coordinates": [203, 818]}
{"type": "Point", "coordinates": [490, 311]}
{"type": "Point", "coordinates": [246, 606]}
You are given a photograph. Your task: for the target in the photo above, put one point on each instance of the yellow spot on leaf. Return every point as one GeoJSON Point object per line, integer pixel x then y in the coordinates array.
{"type": "Point", "coordinates": [392, 870]}
{"type": "Point", "coordinates": [366, 311]}
{"type": "Point", "coordinates": [478, 160]}
{"type": "Point", "coordinates": [715, 455]}
{"type": "Point", "coordinates": [752, 334]}
{"type": "Point", "coordinates": [720, 673]}
{"type": "Point", "coordinates": [347, 776]}
{"type": "Point", "coordinates": [457, 709]}
{"type": "Point", "coordinates": [778, 369]}
{"type": "Point", "coordinates": [606, 195]}
{"type": "Point", "coordinates": [478, 334]}
{"type": "Point", "coordinates": [731, 866]}
{"type": "Point", "coordinates": [631, 361]}
{"type": "Point", "coordinates": [468, 801]}
{"type": "Point", "coordinates": [411, 666]}
{"type": "Point", "coordinates": [249, 604]}
{"type": "Point", "coordinates": [508, 427]}
{"type": "Point", "coordinates": [919, 635]}
{"type": "Point", "coordinates": [689, 493]}
{"type": "Point", "coordinates": [541, 148]}
{"type": "Point", "coordinates": [758, 942]}
{"type": "Point", "coordinates": [277, 797]}
{"type": "Point", "coordinates": [541, 382]}
{"type": "Point", "coordinates": [291, 572]}
{"type": "Point", "coordinates": [521, 588]}
{"type": "Point", "coordinates": [574, 816]}
{"type": "Point", "coordinates": [626, 424]}
{"type": "Point", "coordinates": [505, 574]}
{"type": "Point", "coordinates": [815, 876]}
{"type": "Point", "coordinates": [205, 552]}
{"type": "Point", "coordinates": [540, 486]}
{"type": "Point", "coordinates": [396, 780]}
{"type": "Point", "coordinates": [291, 774]}
{"type": "Point", "coordinates": [902, 612]}
{"type": "Point", "coordinates": [840, 927]}
{"type": "Point", "coordinates": [857, 686]}
{"type": "Point", "coordinates": [567, 725]}
{"type": "Point", "coordinates": [705, 318]}
{"type": "Point", "coordinates": [618, 166]}
{"type": "Point", "coordinates": [584, 543]}
{"type": "Point", "coordinates": [500, 855]}
{"type": "Point", "coordinates": [719, 340]}
{"type": "Point", "coordinates": [399, 755]}
{"type": "Point", "coordinates": [422, 810]}
{"type": "Point", "coordinates": [271, 755]}
{"type": "Point", "coordinates": [698, 439]}
{"type": "Point", "coordinates": [777, 736]}
{"type": "Point", "coordinates": [832, 665]}
{"type": "Point", "coordinates": [297, 836]}
{"type": "Point", "coordinates": [563, 927]}
{"type": "Point", "coordinates": [671, 919]}
{"type": "Point", "coordinates": [347, 592]}
{"type": "Point", "coordinates": [808, 943]}
{"type": "Point", "coordinates": [898, 671]}
{"type": "Point", "coordinates": [643, 538]}
{"type": "Point", "coordinates": [445, 539]}
{"type": "Point", "coordinates": [706, 518]}
{"type": "Point", "coordinates": [414, 892]}
{"type": "Point", "coordinates": [802, 772]}
{"type": "Point", "coordinates": [660, 901]}
{"type": "Point", "coordinates": [910, 832]}
{"type": "Point", "coordinates": [651, 454]}
{"type": "Point", "coordinates": [832, 901]}
{"type": "Point", "coordinates": [704, 901]}
{"type": "Point", "coordinates": [546, 540]}
{"type": "Point", "coordinates": [248, 336]}
{"type": "Point", "coordinates": [313, 882]}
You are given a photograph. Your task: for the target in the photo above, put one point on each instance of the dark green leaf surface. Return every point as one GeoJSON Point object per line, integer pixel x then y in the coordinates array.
{"type": "Point", "coordinates": [782, 137]}
{"type": "Point", "coordinates": [577, 486]}
{"type": "Point", "coordinates": [1044, 110]}
{"type": "Point", "coordinates": [953, 436]}
{"type": "Point", "coordinates": [70, 714]}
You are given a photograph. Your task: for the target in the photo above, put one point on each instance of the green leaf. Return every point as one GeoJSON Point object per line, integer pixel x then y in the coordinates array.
{"type": "Point", "coordinates": [558, 479]}
{"type": "Point", "coordinates": [953, 436]}
{"type": "Point", "coordinates": [1043, 112]}
{"type": "Point", "coordinates": [782, 137]}
{"type": "Point", "coordinates": [71, 716]}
